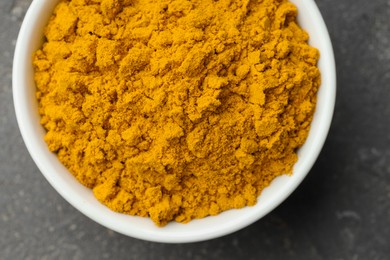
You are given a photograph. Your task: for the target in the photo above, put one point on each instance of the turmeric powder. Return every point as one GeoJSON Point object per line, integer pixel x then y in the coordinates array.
{"type": "Point", "coordinates": [176, 109]}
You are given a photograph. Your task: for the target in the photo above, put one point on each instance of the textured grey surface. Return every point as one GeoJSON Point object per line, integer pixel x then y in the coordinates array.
{"type": "Point", "coordinates": [341, 210]}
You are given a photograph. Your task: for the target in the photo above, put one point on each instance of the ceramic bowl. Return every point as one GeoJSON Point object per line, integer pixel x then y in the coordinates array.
{"type": "Point", "coordinates": [30, 39]}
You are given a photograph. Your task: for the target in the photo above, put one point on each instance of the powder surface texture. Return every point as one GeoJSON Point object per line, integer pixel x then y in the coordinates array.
{"type": "Point", "coordinates": [176, 109]}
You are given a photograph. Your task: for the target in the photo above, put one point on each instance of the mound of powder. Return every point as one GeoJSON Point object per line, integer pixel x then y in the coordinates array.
{"type": "Point", "coordinates": [176, 109]}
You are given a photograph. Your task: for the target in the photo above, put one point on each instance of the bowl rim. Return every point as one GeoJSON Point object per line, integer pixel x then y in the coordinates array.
{"type": "Point", "coordinates": [27, 131]}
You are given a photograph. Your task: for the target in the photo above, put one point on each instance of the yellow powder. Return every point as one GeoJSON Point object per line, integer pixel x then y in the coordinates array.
{"type": "Point", "coordinates": [176, 109]}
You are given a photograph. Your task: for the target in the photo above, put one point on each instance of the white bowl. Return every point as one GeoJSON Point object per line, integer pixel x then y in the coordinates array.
{"type": "Point", "coordinates": [30, 39]}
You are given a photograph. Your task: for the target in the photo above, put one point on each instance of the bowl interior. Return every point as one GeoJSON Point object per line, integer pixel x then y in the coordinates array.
{"type": "Point", "coordinates": [30, 39]}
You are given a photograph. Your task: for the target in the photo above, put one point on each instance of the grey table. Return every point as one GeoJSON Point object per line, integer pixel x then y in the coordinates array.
{"type": "Point", "coordinates": [341, 210]}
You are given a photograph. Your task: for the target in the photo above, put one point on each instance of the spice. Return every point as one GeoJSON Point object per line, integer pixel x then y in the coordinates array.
{"type": "Point", "coordinates": [176, 109]}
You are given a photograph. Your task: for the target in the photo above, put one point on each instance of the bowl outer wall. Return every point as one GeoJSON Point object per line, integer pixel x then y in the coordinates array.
{"type": "Point", "coordinates": [30, 39]}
